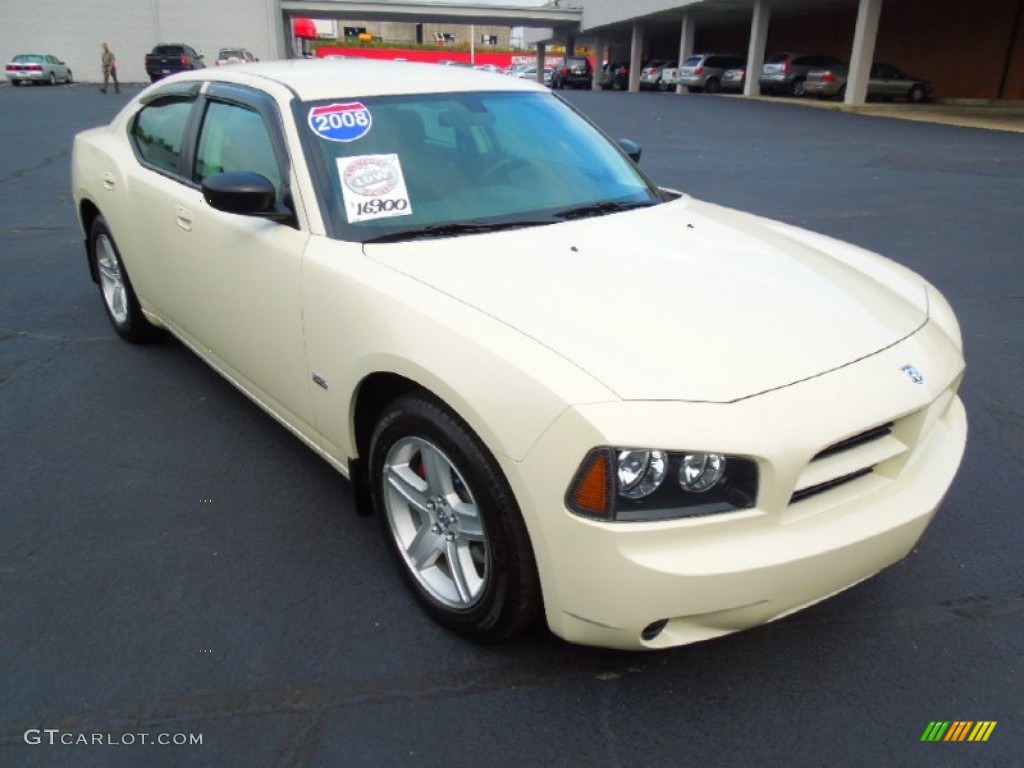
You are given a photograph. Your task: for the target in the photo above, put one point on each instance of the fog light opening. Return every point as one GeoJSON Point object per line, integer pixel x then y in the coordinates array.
{"type": "Point", "coordinates": [653, 629]}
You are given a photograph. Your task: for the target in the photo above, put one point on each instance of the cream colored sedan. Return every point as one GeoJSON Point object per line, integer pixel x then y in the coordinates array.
{"type": "Point", "coordinates": [564, 392]}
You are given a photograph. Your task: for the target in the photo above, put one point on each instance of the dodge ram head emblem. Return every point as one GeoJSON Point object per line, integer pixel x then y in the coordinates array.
{"type": "Point", "coordinates": [913, 374]}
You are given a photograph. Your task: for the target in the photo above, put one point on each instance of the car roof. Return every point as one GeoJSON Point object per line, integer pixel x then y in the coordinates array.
{"type": "Point", "coordinates": [315, 79]}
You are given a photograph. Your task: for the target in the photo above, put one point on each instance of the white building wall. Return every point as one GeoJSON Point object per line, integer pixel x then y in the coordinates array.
{"type": "Point", "coordinates": [597, 13]}
{"type": "Point", "coordinates": [74, 30]}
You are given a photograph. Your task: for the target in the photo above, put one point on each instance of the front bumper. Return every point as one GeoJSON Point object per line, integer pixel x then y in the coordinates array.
{"type": "Point", "coordinates": [604, 583]}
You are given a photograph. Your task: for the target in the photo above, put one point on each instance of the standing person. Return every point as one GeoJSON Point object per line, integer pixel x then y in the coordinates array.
{"type": "Point", "coordinates": [109, 69]}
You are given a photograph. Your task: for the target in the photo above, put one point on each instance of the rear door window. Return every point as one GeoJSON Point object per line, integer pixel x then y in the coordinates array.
{"type": "Point", "coordinates": [158, 133]}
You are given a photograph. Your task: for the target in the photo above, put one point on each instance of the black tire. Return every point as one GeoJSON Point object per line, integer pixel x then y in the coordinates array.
{"type": "Point", "coordinates": [712, 85]}
{"type": "Point", "coordinates": [119, 299]}
{"type": "Point", "coordinates": [916, 95]}
{"type": "Point", "coordinates": [797, 87]}
{"type": "Point", "coordinates": [69, 78]}
{"type": "Point", "coordinates": [52, 80]}
{"type": "Point", "coordinates": [476, 573]}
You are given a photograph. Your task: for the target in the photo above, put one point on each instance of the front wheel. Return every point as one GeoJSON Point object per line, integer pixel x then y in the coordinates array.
{"type": "Point", "coordinates": [119, 299]}
{"type": "Point", "coordinates": [916, 95]}
{"type": "Point", "coordinates": [452, 522]}
{"type": "Point", "coordinates": [797, 89]}
{"type": "Point", "coordinates": [69, 78]}
{"type": "Point", "coordinates": [52, 80]}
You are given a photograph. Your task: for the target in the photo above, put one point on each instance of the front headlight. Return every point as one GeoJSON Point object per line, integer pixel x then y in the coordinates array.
{"type": "Point", "coordinates": [631, 484]}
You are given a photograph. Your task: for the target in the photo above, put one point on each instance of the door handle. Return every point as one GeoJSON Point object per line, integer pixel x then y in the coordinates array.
{"type": "Point", "coordinates": [184, 217]}
{"type": "Point", "coordinates": [108, 181]}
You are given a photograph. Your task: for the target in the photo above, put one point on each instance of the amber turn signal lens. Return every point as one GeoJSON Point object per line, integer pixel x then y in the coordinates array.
{"type": "Point", "coordinates": [591, 493]}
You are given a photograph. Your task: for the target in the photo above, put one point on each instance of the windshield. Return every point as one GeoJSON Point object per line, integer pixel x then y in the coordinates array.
{"type": "Point", "coordinates": [457, 163]}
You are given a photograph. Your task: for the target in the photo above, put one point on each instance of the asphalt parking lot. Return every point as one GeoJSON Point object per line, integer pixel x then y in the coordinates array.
{"type": "Point", "coordinates": [172, 562]}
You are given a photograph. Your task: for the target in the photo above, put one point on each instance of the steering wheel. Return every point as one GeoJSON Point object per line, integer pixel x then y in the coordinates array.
{"type": "Point", "coordinates": [500, 168]}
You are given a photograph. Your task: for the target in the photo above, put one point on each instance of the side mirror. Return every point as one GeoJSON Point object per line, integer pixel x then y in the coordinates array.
{"type": "Point", "coordinates": [631, 148]}
{"type": "Point", "coordinates": [244, 193]}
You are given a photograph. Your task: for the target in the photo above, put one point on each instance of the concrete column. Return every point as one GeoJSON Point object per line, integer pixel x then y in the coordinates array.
{"type": "Point", "coordinates": [598, 62]}
{"type": "Point", "coordinates": [686, 43]}
{"type": "Point", "coordinates": [755, 51]}
{"type": "Point", "coordinates": [636, 57]}
{"type": "Point", "coordinates": [570, 45]}
{"type": "Point", "coordinates": [541, 55]}
{"type": "Point", "coordinates": [864, 37]}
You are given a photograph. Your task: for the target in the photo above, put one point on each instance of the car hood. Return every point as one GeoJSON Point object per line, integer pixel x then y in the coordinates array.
{"type": "Point", "coordinates": [680, 301]}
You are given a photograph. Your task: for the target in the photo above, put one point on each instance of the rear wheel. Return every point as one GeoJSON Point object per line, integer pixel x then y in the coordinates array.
{"type": "Point", "coordinates": [712, 85]}
{"type": "Point", "coordinates": [451, 521]}
{"type": "Point", "coordinates": [119, 299]}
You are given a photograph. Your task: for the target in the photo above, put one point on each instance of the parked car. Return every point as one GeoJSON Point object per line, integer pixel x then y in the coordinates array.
{"type": "Point", "coordinates": [234, 56]}
{"type": "Point", "coordinates": [787, 72]}
{"type": "Point", "coordinates": [44, 68]}
{"type": "Point", "coordinates": [885, 82]}
{"type": "Point", "coordinates": [733, 79]}
{"type": "Point", "coordinates": [169, 58]}
{"type": "Point", "coordinates": [530, 73]}
{"type": "Point", "coordinates": [650, 73]}
{"type": "Point", "coordinates": [574, 72]}
{"type": "Point", "coordinates": [569, 447]}
{"type": "Point", "coordinates": [614, 75]}
{"type": "Point", "coordinates": [702, 72]}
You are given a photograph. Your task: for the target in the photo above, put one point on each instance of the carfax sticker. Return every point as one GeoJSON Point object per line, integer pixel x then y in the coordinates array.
{"type": "Point", "coordinates": [341, 122]}
{"type": "Point", "coordinates": [373, 187]}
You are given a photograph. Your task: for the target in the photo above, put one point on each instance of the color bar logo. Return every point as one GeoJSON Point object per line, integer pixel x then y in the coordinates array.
{"type": "Point", "coordinates": [958, 730]}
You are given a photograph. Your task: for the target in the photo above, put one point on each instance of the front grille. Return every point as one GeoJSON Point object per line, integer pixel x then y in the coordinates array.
{"type": "Point", "coordinates": [848, 460]}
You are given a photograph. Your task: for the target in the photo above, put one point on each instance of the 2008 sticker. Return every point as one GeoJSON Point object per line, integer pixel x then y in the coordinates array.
{"type": "Point", "coordinates": [341, 122]}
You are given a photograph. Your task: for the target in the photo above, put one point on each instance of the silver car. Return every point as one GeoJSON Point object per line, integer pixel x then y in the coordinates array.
{"type": "Point", "coordinates": [885, 82]}
{"type": "Point", "coordinates": [702, 72]}
{"type": "Point", "coordinates": [650, 73]}
{"type": "Point", "coordinates": [28, 68]}
{"type": "Point", "coordinates": [732, 80]}
{"type": "Point", "coordinates": [787, 72]}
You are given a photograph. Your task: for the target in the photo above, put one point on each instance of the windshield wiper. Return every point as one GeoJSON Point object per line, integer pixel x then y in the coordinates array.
{"type": "Point", "coordinates": [454, 229]}
{"type": "Point", "coordinates": [600, 209]}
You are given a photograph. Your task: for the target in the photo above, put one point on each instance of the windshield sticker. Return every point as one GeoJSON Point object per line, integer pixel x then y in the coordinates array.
{"type": "Point", "coordinates": [341, 122]}
{"type": "Point", "coordinates": [373, 187]}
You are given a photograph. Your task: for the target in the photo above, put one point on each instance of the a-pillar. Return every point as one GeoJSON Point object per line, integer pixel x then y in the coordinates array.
{"type": "Point", "coordinates": [636, 57]}
{"type": "Point", "coordinates": [685, 44]}
{"type": "Point", "coordinates": [755, 51]}
{"type": "Point", "coordinates": [864, 37]}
